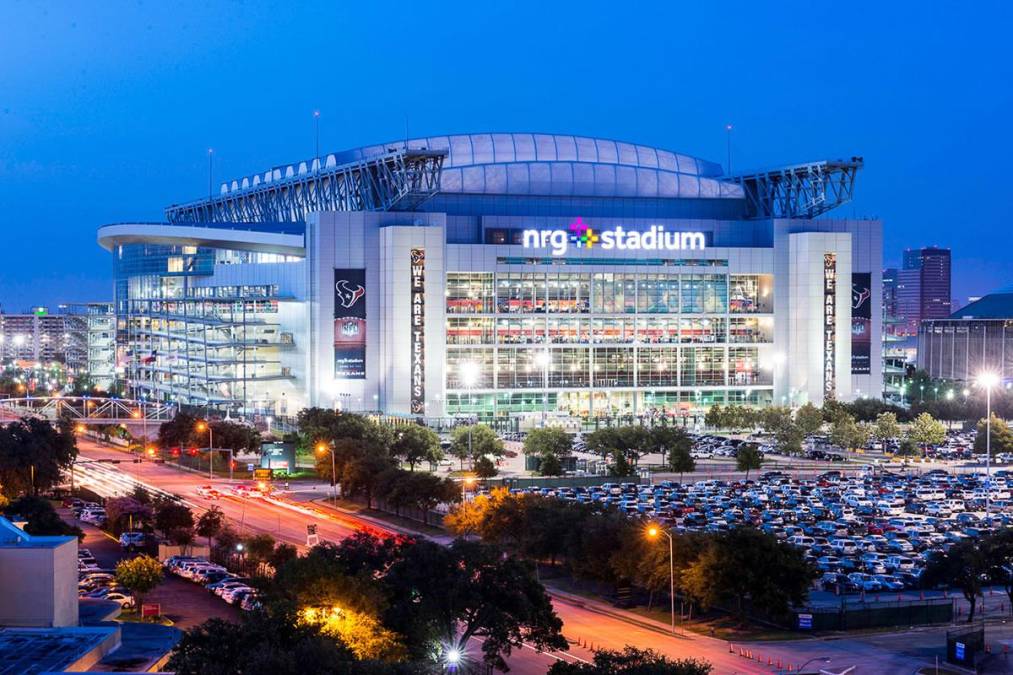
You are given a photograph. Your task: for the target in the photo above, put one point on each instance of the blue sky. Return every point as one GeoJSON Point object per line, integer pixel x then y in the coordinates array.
{"type": "Point", "coordinates": [107, 109]}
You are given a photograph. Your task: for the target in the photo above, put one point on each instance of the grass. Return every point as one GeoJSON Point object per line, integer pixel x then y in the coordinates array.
{"type": "Point", "coordinates": [390, 518]}
{"type": "Point", "coordinates": [723, 627]}
{"type": "Point", "coordinates": [134, 616]}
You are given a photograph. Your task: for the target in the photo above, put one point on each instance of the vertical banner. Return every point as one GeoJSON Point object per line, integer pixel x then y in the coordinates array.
{"type": "Point", "coordinates": [829, 325]}
{"type": "Point", "coordinates": [861, 323]}
{"type": "Point", "coordinates": [418, 331]}
{"type": "Point", "coordinates": [350, 324]}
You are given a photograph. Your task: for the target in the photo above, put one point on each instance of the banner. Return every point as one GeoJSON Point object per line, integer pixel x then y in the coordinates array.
{"type": "Point", "coordinates": [350, 324]}
{"type": "Point", "coordinates": [418, 331]}
{"type": "Point", "coordinates": [829, 326]}
{"type": "Point", "coordinates": [861, 323]}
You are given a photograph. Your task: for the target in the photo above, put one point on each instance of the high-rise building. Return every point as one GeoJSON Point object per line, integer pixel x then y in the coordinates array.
{"type": "Point", "coordinates": [35, 336]}
{"type": "Point", "coordinates": [890, 314]}
{"type": "Point", "coordinates": [923, 288]}
{"type": "Point", "coordinates": [90, 329]}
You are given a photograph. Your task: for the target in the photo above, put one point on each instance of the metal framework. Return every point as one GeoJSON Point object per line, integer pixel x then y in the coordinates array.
{"type": "Point", "coordinates": [397, 180]}
{"type": "Point", "coordinates": [801, 191]}
{"type": "Point", "coordinates": [86, 410]}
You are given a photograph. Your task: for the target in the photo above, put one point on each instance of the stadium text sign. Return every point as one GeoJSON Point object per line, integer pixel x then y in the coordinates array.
{"type": "Point", "coordinates": [655, 238]}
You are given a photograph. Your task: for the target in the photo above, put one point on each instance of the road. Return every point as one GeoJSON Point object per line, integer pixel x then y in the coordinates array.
{"type": "Point", "coordinates": [587, 624]}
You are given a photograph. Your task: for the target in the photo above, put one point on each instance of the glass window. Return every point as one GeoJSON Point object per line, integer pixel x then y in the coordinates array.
{"type": "Point", "coordinates": [569, 331]}
{"type": "Point", "coordinates": [657, 366]}
{"type": "Point", "coordinates": [569, 367]}
{"type": "Point", "coordinates": [751, 294]}
{"type": "Point", "coordinates": [702, 366]}
{"type": "Point", "coordinates": [702, 330]}
{"type": "Point", "coordinates": [520, 293]}
{"type": "Point", "coordinates": [520, 331]}
{"type": "Point", "coordinates": [658, 330]}
{"type": "Point", "coordinates": [569, 293]}
{"type": "Point", "coordinates": [520, 368]}
{"type": "Point", "coordinates": [613, 330]}
{"type": "Point", "coordinates": [613, 367]}
{"type": "Point", "coordinates": [658, 294]}
{"type": "Point", "coordinates": [752, 329]}
{"type": "Point", "coordinates": [704, 294]}
{"type": "Point", "coordinates": [469, 331]}
{"type": "Point", "coordinates": [744, 367]}
{"type": "Point", "coordinates": [461, 362]}
{"type": "Point", "coordinates": [469, 293]}
{"type": "Point", "coordinates": [614, 293]}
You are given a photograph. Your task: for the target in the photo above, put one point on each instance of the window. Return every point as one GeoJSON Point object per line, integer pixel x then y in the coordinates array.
{"type": "Point", "coordinates": [469, 331]}
{"type": "Point", "coordinates": [614, 293]}
{"type": "Point", "coordinates": [702, 366]}
{"type": "Point", "coordinates": [520, 293]}
{"type": "Point", "coordinates": [613, 367]}
{"type": "Point", "coordinates": [751, 294]}
{"type": "Point", "coordinates": [744, 367]}
{"type": "Point", "coordinates": [757, 330]}
{"type": "Point", "coordinates": [704, 294]}
{"type": "Point", "coordinates": [520, 331]}
{"type": "Point", "coordinates": [569, 331]}
{"type": "Point", "coordinates": [569, 293]}
{"type": "Point", "coordinates": [469, 293]}
{"type": "Point", "coordinates": [702, 330]}
{"type": "Point", "coordinates": [658, 330]}
{"type": "Point", "coordinates": [658, 294]}
{"type": "Point", "coordinates": [521, 368]}
{"type": "Point", "coordinates": [657, 366]}
{"type": "Point", "coordinates": [569, 367]}
{"type": "Point", "coordinates": [617, 330]}
{"type": "Point", "coordinates": [460, 361]}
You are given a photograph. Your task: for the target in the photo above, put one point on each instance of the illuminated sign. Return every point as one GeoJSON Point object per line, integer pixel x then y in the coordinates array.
{"type": "Point", "coordinates": [829, 325]}
{"type": "Point", "coordinates": [349, 324]}
{"type": "Point", "coordinates": [418, 331]}
{"type": "Point", "coordinates": [580, 235]}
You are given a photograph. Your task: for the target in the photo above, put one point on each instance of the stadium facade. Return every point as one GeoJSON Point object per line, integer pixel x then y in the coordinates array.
{"type": "Point", "coordinates": [975, 339]}
{"type": "Point", "coordinates": [503, 274]}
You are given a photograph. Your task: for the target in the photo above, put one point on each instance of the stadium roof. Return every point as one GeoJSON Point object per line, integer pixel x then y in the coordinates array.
{"type": "Point", "coordinates": [996, 305]}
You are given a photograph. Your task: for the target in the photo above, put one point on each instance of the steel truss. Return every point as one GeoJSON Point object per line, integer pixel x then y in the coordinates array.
{"type": "Point", "coordinates": [801, 191]}
{"type": "Point", "coordinates": [397, 180]}
{"type": "Point", "coordinates": [86, 409]}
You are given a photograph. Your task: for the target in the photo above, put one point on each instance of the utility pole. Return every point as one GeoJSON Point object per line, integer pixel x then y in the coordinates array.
{"type": "Point", "coordinates": [728, 146]}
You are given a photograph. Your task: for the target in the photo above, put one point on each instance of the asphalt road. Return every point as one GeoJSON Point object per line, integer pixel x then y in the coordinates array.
{"type": "Point", "coordinates": [587, 624]}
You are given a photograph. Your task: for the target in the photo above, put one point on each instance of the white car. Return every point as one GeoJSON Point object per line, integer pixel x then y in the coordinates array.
{"type": "Point", "coordinates": [231, 595]}
{"type": "Point", "coordinates": [208, 492]}
{"type": "Point", "coordinates": [125, 600]}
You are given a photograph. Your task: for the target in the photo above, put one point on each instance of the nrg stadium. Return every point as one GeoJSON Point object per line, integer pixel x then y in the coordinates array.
{"type": "Point", "coordinates": [504, 275]}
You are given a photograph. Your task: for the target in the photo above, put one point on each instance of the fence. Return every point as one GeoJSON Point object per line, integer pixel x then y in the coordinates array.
{"type": "Point", "coordinates": [858, 615]}
{"type": "Point", "coordinates": [560, 481]}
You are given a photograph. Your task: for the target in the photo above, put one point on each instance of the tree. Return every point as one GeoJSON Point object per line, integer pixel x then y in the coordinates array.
{"type": "Point", "coordinates": [665, 440]}
{"type": "Point", "coordinates": [925, 430]}
{"type": "Point", "coordinates": [282, 554]}
{"type": "Point", "coordinates": [360, 476]}
{"type": "Point", "coordinates": [40, 517]}
{"type": "Point", "coordinates": [210, 523]}
{"type": "Point", "coordinates": [485, 467]}
{"type": "Point", "coordinates": [548, 441]}
{"type": "Point", "coordinates": [33, 456]}
{"type": "Point", "coordinates": [415, 444]}
{"type": "Point", "coordinates": [483, 441]}
{"type": "Point", "coordinates": [602, 442]}
{"type": "Point", "coordinates": [846, 433]}
{"type": "Point", "coordinates": [631, 661]}
{"type": "Point", "coordinates": [179, 432]}
{"type": "Point", "coordinates": [747, 564]}
{"type": "Point", "coordinates": [171, 516]}
{"type": "Point", "coordinates": [809, 419]}
{"type": "Point", "coordinates": [715, 417]}
{"type": "Point", "coordinates": [139, 575]}
{"type": "Point", "coordinates": [887, 427]}
{"type": "Point", "coordinates": [748, 458]}
{"type": "Point", "coordinates": [681, 461]}
{"type": "Point", "coordinates": [998, 548]}
{"type": "Point", "coordinates": [964, 566]}
{"type": "Point", "coordinates": [621, 466]}
{"type": "Point", "coordinates": [126, 512]}
{"type": "Point", "coordinates": [259, 549]}
{"type": "Point", "coordinates": [550, 466]}
{"type": "Point", "coordinates": [1002, 437]}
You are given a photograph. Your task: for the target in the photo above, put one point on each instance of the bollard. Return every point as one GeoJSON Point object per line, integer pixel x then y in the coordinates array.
{"type": "Point", "coordinates": [730, 650]}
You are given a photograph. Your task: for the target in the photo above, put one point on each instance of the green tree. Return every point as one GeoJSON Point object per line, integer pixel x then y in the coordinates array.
{"type": "Point", "coordinates": [179, 432]}
{"type": "Point", "coordinates": [139, 575]}
{"type": "Point", "coordinates": [664, 440]}
{"type": "Point", "coordinates": [282, 554]}
{"type": "Point", "coordinates": [485, 467]}
{"type": "Point", "coordinates": [360, 476]}
{"type": "Point", "coordinates": [965, 566]}
{"type": "Point", "coordinates": [681, 461]}
{"type": "Point", "coordinates": [998, 549]}
{"type": "Point", "coordinates": [809, 419]}
{"type": "Point", "coordinates": [846, 433]}
{"type": "Point", "coordinates": [210, 523]}
{"type": "Point", "coordinates": [171, 516]}
{"type": "Point", "coordinates": [40, 517]}
{"type": "Point", "coordinates": [715, 417]}
{"type": "Point", "coordinates": [925, 430]}
{"type": "Point", "coordinates": [621, 466]}
{"type": "Point", "coordinates": [1002, 437]}
{"type": "Point", "coordinates": [887, 428]}
{"type": "Point", "coordinates": [126, 512]}
{"type": "Point", "coordinates": [550, 465]}
{"type": "Point", "coordinates": [483, 441]}
{"type": "Point", "coordinates": [603, 442]}
{"type": "Point", "coordinates": [908, 448]}
{"type": "Point", "coordinates": [548, 441]}
{"type": "Point", "coordinates": [631, 661]}
{"type": "Point", "coordinates": [414, 444]}
{"type": "Point", "coordinates": [748, 458]}
{"type": "Point", "coordinates": [33, 456]}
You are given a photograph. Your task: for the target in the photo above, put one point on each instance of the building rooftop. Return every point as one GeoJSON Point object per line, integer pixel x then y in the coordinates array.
{"type": "Point", "coordinates": [43, 650]}
{"type": "Point", "coordinates": [12, 536]}
{"type": "Point", "coordinates": [996, 305]}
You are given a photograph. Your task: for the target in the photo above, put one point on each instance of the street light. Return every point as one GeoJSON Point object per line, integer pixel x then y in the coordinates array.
{"type": "Point", "coordinates": [652, 532]}
{"type": "Point", "coordinates": [324, 447]}
{"type": "Point", "coordinates": [988, 380]}
{"type": "Point", "coordinates": [203, 426]}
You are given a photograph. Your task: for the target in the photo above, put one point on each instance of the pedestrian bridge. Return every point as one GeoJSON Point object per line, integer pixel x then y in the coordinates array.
{"type": "Point", "coordinates": [88, 410]}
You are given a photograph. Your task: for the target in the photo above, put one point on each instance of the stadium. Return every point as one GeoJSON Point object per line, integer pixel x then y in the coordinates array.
{"type": "Point", "coordinates": [505, 275]}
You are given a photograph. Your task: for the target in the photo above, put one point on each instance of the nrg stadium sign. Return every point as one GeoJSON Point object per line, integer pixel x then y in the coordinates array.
{"type": "Point", "coordinates": [582, 236]}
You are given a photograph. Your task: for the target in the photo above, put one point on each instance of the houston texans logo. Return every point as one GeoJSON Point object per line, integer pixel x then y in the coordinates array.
{"type": "Point", "coordinates": [347, 294]}
{"type": "Point", "coordinates": [858, 297]}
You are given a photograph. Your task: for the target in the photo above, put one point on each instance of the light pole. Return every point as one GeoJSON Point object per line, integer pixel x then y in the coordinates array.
{"type": "Point", "coordinates": [203, 426]}
{"type": "Point", "coordinates": [988, 380]}
{"type": "Point", "coordinates": [653, 531]}
{"type": "Point", "coordinates": [324, 447]}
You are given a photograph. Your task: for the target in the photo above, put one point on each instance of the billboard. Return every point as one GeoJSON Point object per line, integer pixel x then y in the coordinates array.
{"type": "Point", "coordinates": [861, 323]}
{"type": "Point", "coordinates": [829, 325]}
{"type": "Point", "coordinates": [418, 331]}
{"type": "Point", "coordinates": [350, 324]}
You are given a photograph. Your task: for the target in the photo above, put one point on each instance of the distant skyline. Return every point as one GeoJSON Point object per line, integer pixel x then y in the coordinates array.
{"type": "Point", "coordinates": [107, 110]}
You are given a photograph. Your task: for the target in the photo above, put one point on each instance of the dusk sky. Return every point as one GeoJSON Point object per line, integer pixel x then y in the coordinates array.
{"type": "Point", "coordinates": [107, 109]}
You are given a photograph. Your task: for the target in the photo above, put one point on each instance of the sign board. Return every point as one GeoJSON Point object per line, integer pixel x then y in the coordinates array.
{"type": "Point", "coordinates": [959, 651]}
{"type": "Point", "coordinates": [312, 538]}
{"type": "Point", "coordinates": [582, 235]}
{"type": "Point", "coordinates": [805, 621]}
{"type": "Point", "coordinates": [829, 325]}
{"type": "Point", "coordinates": [861, 323]}
{"type": "Point", "coordinates": [418, 331]}
{"type": "Point", "coordinates": [263, 474]}
{"type": "Point", "coordinates": [151, 609]}
{"type": "Point", "coordinates": [277, 456]}
{"type": "Point", "coordinates": [251, 467]}
{"type": "Point", "coordinates": [349, 324]}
